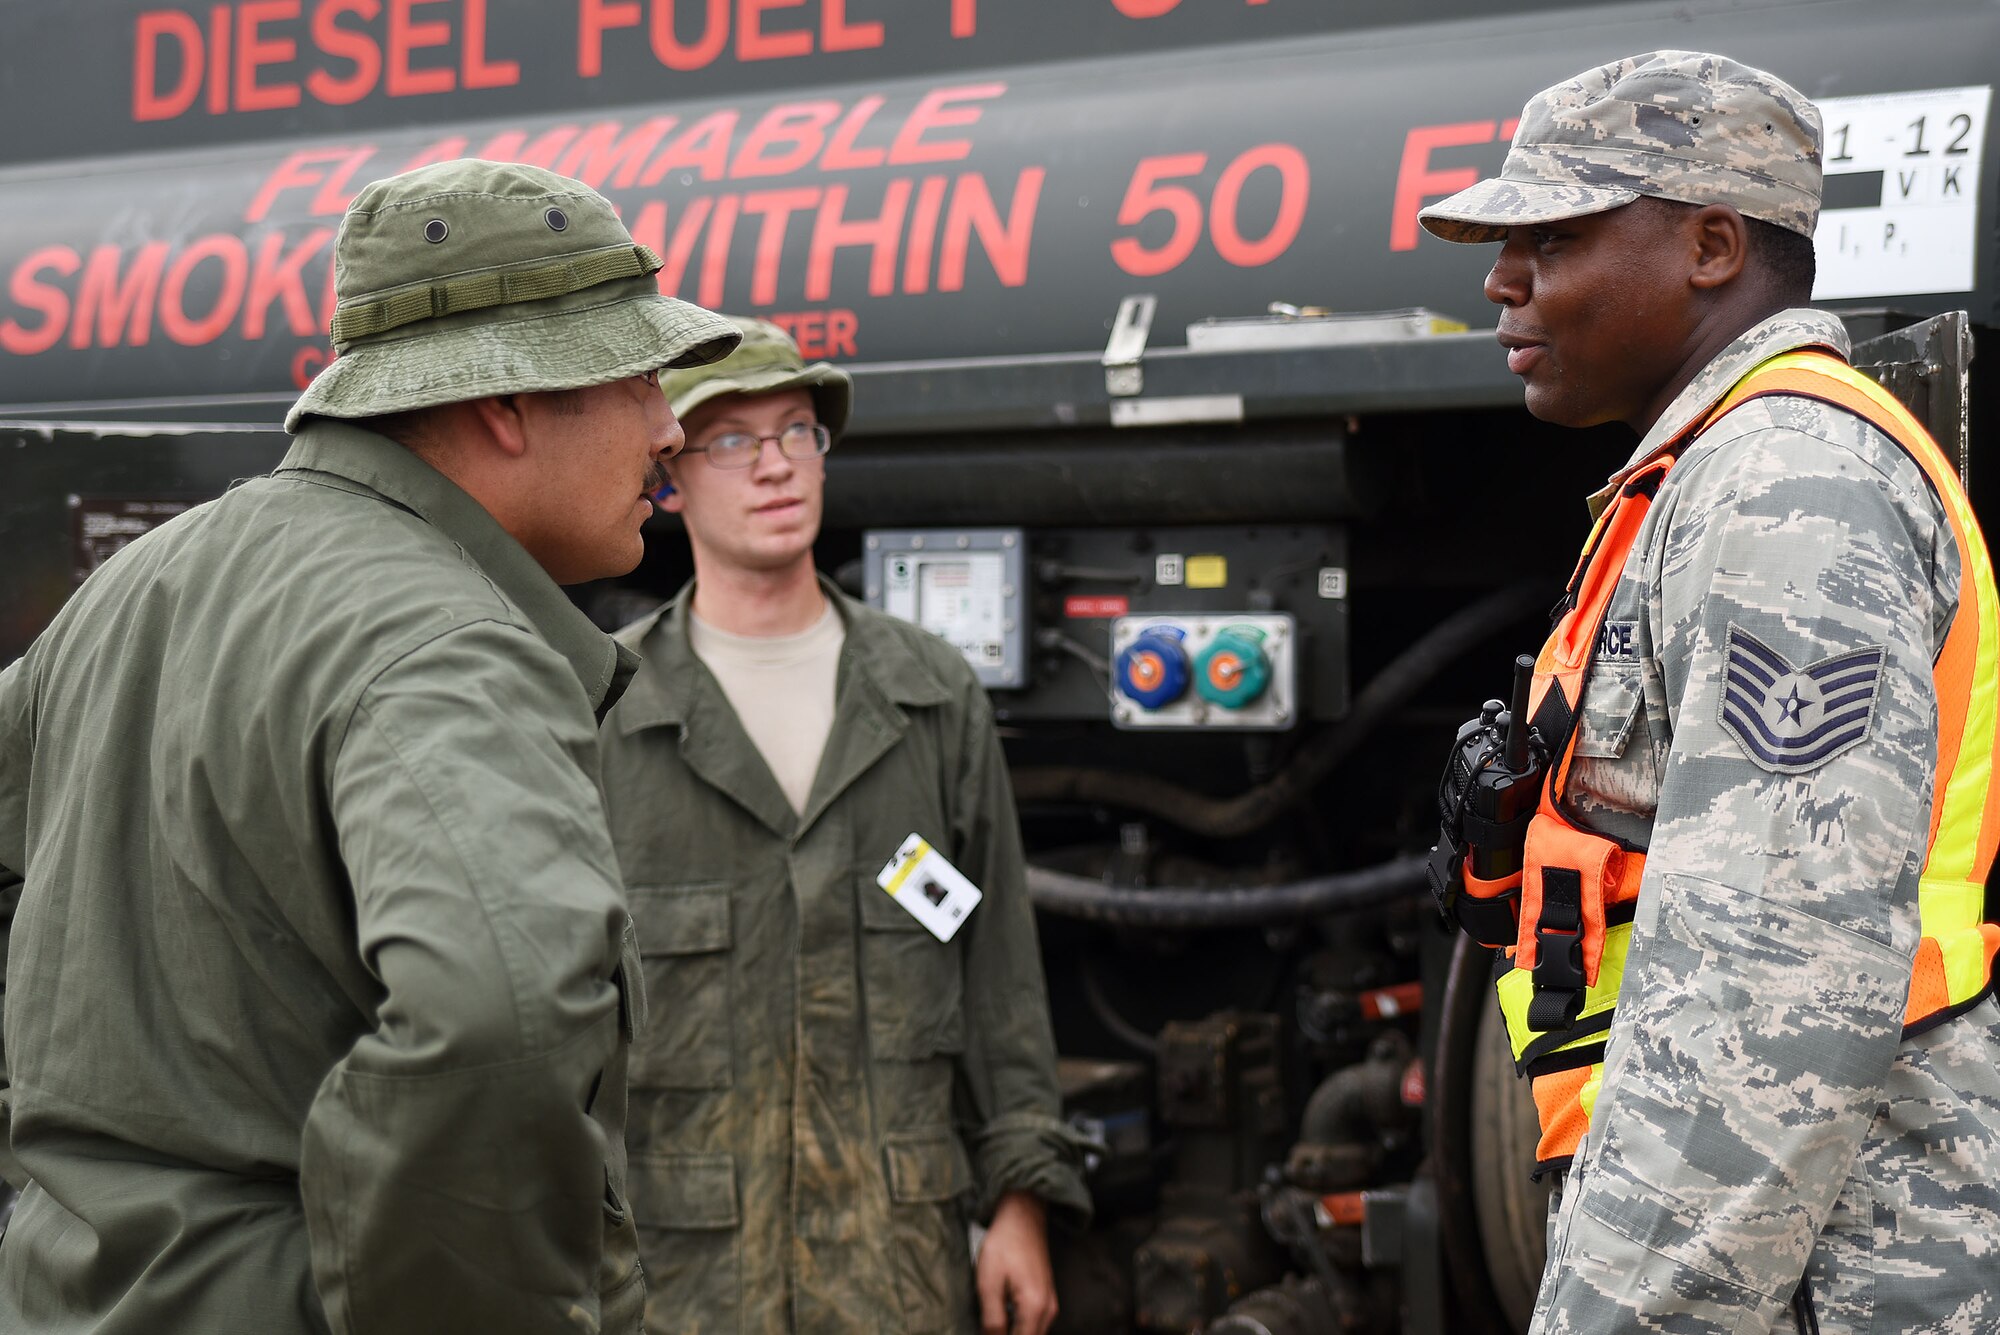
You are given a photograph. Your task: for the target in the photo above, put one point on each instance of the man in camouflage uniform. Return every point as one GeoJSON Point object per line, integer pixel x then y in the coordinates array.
{"type": "Point", "coordinates": [1760, 1115]}
{"type": "Point", "coordinates": [836, 1091]}
{"type": "Point", "coordinates": [321, 986]}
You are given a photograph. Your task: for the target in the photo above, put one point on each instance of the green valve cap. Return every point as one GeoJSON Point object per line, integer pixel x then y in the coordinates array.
{"type": "Point", "coordinates": [1233, 670]}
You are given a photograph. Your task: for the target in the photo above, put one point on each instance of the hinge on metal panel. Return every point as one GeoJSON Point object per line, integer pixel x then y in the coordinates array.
{"type": "Point", "coordinates": [1122, 375]}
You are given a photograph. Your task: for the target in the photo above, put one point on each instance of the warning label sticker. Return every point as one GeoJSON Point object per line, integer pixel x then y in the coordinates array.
{"type": "Point", "coordinates": [102, 525]}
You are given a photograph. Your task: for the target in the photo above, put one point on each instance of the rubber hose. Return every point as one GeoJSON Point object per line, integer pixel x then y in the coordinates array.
{"type": "Point", "coordinates": [1355, 1104]}
{"type": "Point", "coordinates": [1107, 1014]}
{"type": "Point", "coordinates": [1227, 818]}
{"type": "Point", "coordinates": [1234, 906]}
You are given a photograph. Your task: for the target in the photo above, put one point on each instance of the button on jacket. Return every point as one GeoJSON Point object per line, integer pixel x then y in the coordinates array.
{"type": "Point", "coordinates": [313, 1015]}
{"type": "Point", "coordinates": [1760, 1111]}
{"type": "Point", "coordinates": [829, 1086]}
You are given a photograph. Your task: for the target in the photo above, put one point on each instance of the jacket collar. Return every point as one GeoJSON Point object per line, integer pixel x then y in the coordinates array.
{"type": "Point", "coordinates": [339, 449]}
{"type": "Point", "coordinates": [664, 689]}
{"type": "Point", "coordinates": [1787, 331]}
{"type": "Point", "coordinates": [878, 674]}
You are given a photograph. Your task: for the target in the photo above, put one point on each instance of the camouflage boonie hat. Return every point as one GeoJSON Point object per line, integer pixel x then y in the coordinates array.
{"type": "Point", "coordinates": [471, 278]}
{"type": "Point", "coordinates": [1679, 125]}
{"type": "Point", "coordinates": [765, 362]}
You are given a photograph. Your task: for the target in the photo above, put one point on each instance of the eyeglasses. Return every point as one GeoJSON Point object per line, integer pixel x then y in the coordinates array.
{"type": "Point", "coordinates": [739, 449]}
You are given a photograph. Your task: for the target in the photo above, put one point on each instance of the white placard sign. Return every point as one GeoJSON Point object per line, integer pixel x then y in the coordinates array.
{"type": "Point", "coordinates": [1901, 208]}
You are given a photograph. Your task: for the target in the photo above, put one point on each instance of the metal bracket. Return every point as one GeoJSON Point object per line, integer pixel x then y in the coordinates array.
{"type": "Point", "coordinates": [1122, 352]}
{"type": "Point", "coordinates": [1928, 366]}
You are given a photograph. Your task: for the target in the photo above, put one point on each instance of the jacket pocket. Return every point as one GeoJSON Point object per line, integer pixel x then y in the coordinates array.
{"type": "Point", "coordinates": [684, 949]}
{"type": "Point", "coordinates": [928, 1177]}
{"type": "Point", "coordinates": [1611, 705]}
{"type": "Point", "coordinates": [912, 983]}
{"type": "Point", "coordinates": [1618, 742]}
{"type": "Point", "coordinates": [689, 1241]}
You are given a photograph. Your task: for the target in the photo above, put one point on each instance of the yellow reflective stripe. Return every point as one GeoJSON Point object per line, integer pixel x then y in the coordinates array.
{"type": "Point", "coordinates": [1952, 856]}
{"type": "Point", "coordinates": [1955, 853]}
{"type": "Point", "coordinates": [1966, 972]}
{"type": "Point", "coordinates": [1586, 1098]}
{"type": "Point", "coordinates": [1517, 988]}
{"type": "Point", "coordinates": [1947, 907]}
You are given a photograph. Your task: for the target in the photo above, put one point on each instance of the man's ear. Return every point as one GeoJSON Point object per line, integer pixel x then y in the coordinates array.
{"type": "Point", "coordinates": [1721, 246]}
{"type": "Point", "coordinates": [503, 417]}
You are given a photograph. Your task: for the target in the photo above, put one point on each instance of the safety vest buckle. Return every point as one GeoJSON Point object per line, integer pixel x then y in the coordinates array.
{"type": "Point", "coordinates": [1559, 976]}
{"type": "Point", "coordinates": [1559, 960]}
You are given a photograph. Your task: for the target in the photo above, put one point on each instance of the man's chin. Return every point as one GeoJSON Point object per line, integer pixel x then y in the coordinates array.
{"type": "Point", "coordinates": [776, 559]}
{"type": "Point", "coordinates": [602, 568]}
{"type": "Point", "coordinates": [610, 559]}
{"type": "Point", "coordinates": [1544, 404]}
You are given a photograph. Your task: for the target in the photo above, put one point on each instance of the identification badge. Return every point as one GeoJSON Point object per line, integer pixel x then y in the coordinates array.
{"type": "Point", "coordinates": [935, 892]}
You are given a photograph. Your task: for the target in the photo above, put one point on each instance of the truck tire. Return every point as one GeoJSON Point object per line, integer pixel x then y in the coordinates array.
{"type": "Point", "coordinates": [1511, 1208]}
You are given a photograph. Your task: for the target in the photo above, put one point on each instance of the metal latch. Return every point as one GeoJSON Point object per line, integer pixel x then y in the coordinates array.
{"type": "Point", "coordinates": [1122, 376]}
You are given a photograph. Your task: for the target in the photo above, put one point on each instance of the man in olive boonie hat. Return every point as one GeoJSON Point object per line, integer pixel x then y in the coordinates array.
{"type": "Point", "coordinates": [781, 742]}
{"type": "Point", "coordinates": [767, 361]}
{"type": "Point", "coordinates": [1768, 1119]}
{"type": "Point", "coordinates": [322, 989]}
{"type": "Point", "coordinates": [476, 278]}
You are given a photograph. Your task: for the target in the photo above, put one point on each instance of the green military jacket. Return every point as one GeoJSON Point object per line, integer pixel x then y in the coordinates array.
{"type": "Point", "coordinates": [315, 1017]}
{"type": "Point", "coordinates": [830, 1090]}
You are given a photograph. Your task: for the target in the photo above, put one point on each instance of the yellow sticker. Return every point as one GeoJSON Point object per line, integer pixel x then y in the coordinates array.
{"type": "Point", "coordinates": [913, 851]}
{"type": "Point", "coordinates": [1207, 572]}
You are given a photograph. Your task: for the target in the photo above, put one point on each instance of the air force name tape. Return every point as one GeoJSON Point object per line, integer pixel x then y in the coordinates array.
{"type": "Point", "coordinates": [1788, 719]}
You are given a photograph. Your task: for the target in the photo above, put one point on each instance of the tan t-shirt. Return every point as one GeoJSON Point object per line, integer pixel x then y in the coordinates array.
{"type": "Point", "coordinates": [781, 687]}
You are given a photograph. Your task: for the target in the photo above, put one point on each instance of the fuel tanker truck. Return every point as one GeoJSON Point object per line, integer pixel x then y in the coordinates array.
{"type": "Point", "coordinates": [1168, 415]}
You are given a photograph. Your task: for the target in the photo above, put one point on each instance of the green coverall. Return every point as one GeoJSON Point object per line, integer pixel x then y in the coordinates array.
{"type": "Point", "coordinates": [833, 1090]}
{"type": "Point", "coordinates": [315, 1015]}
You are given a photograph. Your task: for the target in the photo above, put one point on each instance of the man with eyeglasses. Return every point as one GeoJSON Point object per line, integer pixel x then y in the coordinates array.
{"type": "Point", "coordinates": [797, 1157]}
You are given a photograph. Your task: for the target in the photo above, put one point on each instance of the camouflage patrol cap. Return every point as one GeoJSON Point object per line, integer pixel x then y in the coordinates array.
{"type": "Point", "coordinates": [766, 362]}
{"type": "Point", "coordinates": [1679, 125]}
{"type": "Point", "coordinates": [470, 278]}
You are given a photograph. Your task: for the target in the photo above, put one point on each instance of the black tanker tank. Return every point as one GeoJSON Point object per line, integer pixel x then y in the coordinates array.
{"type": "Point", "coordinates": [892, 181]}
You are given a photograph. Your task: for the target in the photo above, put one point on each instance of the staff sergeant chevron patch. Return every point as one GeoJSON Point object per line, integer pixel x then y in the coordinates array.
{"type": "Point", "coordinates": [1789, 719]}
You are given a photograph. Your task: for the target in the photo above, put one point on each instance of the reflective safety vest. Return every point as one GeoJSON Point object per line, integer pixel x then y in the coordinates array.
{"type": "Point", "coordinates": [1578, 890]}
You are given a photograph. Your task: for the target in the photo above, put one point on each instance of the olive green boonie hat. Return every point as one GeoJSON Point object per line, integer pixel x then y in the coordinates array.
{"type": "Point", "coordinates": [469, 278]}
{"type": "Point", "coordinates": [765, 362]}
{"type": "Point", "coordinates": [1679, 125]}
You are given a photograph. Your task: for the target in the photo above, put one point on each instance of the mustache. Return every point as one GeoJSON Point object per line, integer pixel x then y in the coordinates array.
{"type": "Point", "coordinates": [656, 477]}
{"type": "Point", "coordinates": [1526, 333]}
